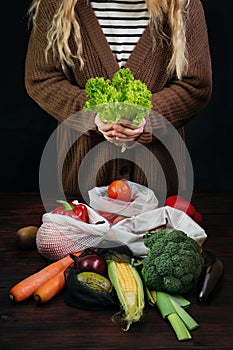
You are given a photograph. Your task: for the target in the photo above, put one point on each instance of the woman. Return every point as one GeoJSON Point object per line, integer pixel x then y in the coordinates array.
{"type": "Point", "coordinates": [163, 42]}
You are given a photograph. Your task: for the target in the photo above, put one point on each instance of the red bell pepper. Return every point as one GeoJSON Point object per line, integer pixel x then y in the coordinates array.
{"type": "Point", "coordinates": [181, 204]}
{"type": "Point", "coordinates": [77, 211]}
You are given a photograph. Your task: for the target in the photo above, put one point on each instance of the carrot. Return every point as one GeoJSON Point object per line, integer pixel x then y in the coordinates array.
{"type": "Point", "coordinates": [50, 288]}
{"type": "Point", "coordinates": [28, 286]}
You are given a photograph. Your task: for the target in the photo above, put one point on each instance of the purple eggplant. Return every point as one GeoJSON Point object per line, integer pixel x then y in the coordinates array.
{"type": "Point", "coordinates": [212, 274]}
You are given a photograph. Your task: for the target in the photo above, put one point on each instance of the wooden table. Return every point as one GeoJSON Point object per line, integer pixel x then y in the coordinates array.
{"type": "Point", "coordinates": [56, 325]}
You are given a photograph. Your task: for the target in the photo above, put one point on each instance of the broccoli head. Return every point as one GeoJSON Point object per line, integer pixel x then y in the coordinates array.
{"type": "Point", "coordinates": [174, 262]}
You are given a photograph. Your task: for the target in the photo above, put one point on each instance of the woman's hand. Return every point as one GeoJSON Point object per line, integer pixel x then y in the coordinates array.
{"type": "Point", "coordinates": [119, 132]}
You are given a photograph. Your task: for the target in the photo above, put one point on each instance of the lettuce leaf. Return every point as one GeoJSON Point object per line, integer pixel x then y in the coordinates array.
{"type": "Point", "coordinates": [122, 98]}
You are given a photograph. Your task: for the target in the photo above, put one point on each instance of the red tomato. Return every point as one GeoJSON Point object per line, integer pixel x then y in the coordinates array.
{"type": "Point", "coordinates": [120, 190]}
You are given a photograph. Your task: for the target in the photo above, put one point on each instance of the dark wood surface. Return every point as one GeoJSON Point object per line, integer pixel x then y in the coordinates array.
{"type": "Point", "coordinates": [55, 325]}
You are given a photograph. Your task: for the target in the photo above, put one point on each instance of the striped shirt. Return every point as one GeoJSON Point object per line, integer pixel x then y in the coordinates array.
{"type": "Point", "coordinates": [122, 22]}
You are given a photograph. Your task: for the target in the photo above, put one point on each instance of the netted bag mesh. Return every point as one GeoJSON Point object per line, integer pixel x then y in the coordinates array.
{"type": "Point", "coordinates": [56, 241]}
{"type": "Point", "coordinates": [60, 235]}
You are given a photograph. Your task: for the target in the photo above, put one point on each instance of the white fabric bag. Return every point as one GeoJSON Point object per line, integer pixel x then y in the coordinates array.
{"type": "Point", "coordinates": [144, 199]}
{"type": "Point", "coordinates": [131, 231]}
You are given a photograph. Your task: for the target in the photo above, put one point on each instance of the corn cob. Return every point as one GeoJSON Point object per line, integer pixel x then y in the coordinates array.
{"type": "Point", "coordinates": [129, 289]}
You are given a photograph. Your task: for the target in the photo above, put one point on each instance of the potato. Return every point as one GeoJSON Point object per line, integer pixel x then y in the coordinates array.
{"type": "Point", "coordinates": [26, 237]}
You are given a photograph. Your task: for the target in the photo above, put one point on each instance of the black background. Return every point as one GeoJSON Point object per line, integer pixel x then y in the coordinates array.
{"type": "Point", "coordinates": [25, 128]}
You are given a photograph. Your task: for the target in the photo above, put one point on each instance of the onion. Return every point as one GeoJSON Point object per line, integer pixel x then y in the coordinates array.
{"type": "Point", "coordinates": [91, 263]}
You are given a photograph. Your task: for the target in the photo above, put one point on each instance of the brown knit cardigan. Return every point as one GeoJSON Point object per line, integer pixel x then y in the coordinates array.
{"type": "Point", "coordinates": [153, 161]}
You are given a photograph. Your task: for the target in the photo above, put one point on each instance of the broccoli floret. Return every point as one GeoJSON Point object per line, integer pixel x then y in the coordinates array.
{"type": "Point", "coordinates": [150, 270]}
{"type": "Point", "coordinates": [151, 237]}
{"type": "Point", "coordinates": [174, 262]}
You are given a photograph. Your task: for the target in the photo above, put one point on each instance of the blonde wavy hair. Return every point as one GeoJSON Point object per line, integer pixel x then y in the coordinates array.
{"type": "Point", "coordinates": [160, 11]}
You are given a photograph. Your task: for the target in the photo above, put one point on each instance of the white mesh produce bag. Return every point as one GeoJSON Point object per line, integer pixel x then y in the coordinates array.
{"type": "Point", "coordinates": [130, 231]}
{"type": "Point", "coordinates": [60, 235]}
{"type": "Point", "coordinates": [143, 197]}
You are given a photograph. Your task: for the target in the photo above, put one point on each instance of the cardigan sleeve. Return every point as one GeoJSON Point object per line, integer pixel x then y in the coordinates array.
{"type": "Point", "coordinates": [45, 81]}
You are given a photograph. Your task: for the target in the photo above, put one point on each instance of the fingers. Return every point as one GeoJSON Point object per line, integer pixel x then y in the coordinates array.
{"type": "Point", "coordinates": [128, 124]}
{"type": "Point", "coordinates": [105, 128]}
{"type": "Point", "coordinates": [107, 131]}
{"type": "Point", "coordinates": [118, 132]}
{"type": "Point", "coordinates": [122, 132]}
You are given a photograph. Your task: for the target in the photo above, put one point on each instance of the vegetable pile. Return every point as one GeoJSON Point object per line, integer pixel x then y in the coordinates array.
{"type": "Point", "coordinates": [95, 280]}
{"type": "Point", "coordinates": [122, 98]}
{"type": "Point", "coordinates": [99, 278]}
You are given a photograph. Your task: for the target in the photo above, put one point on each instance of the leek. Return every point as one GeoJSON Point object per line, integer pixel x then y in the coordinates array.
{"type": "Point", "coordinates": [172, 307]}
